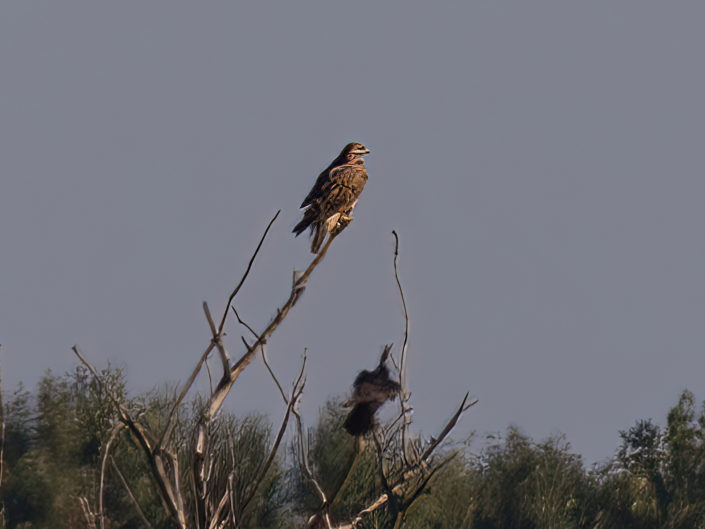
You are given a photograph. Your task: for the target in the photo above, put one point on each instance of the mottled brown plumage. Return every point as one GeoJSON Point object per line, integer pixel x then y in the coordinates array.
{"type": "Point", "coordinates": [371, 389]}
{"type": "Point", "coordinates": [330, 203]}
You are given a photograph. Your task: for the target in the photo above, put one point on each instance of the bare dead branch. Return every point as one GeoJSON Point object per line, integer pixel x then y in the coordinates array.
{"type": "Point", "coordinates": [166, 434]}
{"type": "Point", "coordinates": [243, 323]}
{"type": "Point", "coordinates": [156, 456]}
{"type": "Point", "coordinates": [381, 500]}
{"type": "Point", "coordinates": [380, 463]}
{"type": "Point", "coordinates": [87, 512]}
{"type": "Point", "coordinates": [264, 354]}
{"type": "Point", "coordinates": [130, 495]}
{"type": "Point", "coordinates": [404, 393]}
{"type": "Point", "coordinates": [223, 388]}
{"type": "Point", "coordinates": [232, 499]}
{"type": "Point", "coordinates": [295, 395]}
{"type": "Point", "coordinates": [326, 502]}
{"type": "Point", "coordinates": [303, 461]}
{"type": "Point", "coordinates": [217, 339]}
{"type": "Point", "coordinates": [334, 494]}
{"type": "Point", "coordinates": [274, 377]}
{"type": "Point", "coordinates": [446, 430]}
{"type": "Point", "coordinates": [419, 490]}
{"type": "Point", "coordinates": [210, 376]}
{"type": "Point", "coordinates": [320, 516]}
{"type": "Point", "coordinates": [106, 452]}
{"type": "Point", "coordinates": [219, 510]}
{"type": "Point", "coordinates": [247, 271]}
{"type": "Point", "coordinates": [217, 397]}
{"type": "Point", "coordinates": [402, 358]}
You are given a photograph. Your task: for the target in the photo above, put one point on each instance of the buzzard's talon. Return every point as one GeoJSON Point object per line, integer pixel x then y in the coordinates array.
{"type": "Point", "coordinates": [342, 223]}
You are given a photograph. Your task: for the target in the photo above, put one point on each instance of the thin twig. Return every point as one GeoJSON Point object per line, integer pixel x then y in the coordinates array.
{"type": "Point", "coordinates": [210, 377]}
{"type": "Point", "coordinates": [274, 377]}
{"type": "Point", "coordinates": [223, 388]}
{"type": "Point", "coordinates": [218, 339]}
{"type": "Point", "coordinates": [404, 393]}
{"type": "Point", "coordinates": [446, 430]}
{"type": "Point", "coordinates": [428, 478]}
{"type": "Point", "coordinates": [326, 502]}
{"type": "Point", "coordinates": [402, 366]}
{"type": "Point", "coordinates": [219, 510]}
{"type": "Point", "coordinates": [295, 395]}
{"type": "Point", "coordinates": [264, 354]}
{"type": "Point", "coordinates": [170, 491]}
{"type": "Point", "coordinates": [113, 435]}
{"type": "Point", "coordinates": [303, 455]}
{"type": "Point", "coordinates": [303, 458]}
{"type": "Point", "coordinates": [380, 463]}
{"type": "Point", "coordinates": [139, 510]}
{"type": "Point", "coordinates": [166, 434]}
{"type": "Point", "coordinates": [167, 431]}
{"type": "Point", "coordinates": [243, 323]}
{"type": "Point", "coordinates": [381, 500]}
{"type": "Point", "coordinates": [247, 271]}
{"type": "Point", "coordinates": [87, 513]}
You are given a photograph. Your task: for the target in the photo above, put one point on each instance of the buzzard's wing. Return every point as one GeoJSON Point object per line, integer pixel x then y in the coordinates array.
{"type": "Point", "coordinates": [346, 182]}
{"type": "Point", "coordinates": [313, 201]}
{"type": "Point", "coordinates": [316, 191]}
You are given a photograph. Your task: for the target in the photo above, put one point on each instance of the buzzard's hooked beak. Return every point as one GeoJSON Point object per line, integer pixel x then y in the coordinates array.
{"type": "Point", "coordinates": [364, 150]}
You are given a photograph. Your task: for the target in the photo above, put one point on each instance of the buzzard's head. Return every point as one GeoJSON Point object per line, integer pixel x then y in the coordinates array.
{"type": "Point", "coordinates": [354, 150]}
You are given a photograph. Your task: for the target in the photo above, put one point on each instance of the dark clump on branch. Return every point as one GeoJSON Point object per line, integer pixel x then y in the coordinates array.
{"type": "Point", "coordinates": [371, 390]}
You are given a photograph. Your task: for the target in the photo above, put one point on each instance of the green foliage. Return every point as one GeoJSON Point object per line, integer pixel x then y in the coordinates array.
{"type": "Point", "coordinates": [53, 442]}
{"type": "Point", "coordinates": [342, 472]}
{"type": "Point", "coordinates": [56, 436]}
{"type": "Point", "coordinates": [658, 478]}
{"type": "Point", "coordinates": [524, 485]}
{"type": "Point", "coordinates": [447, 502]}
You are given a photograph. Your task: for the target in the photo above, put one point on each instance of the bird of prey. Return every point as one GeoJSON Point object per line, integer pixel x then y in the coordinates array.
{"type": "Point", "coordinates": [371, 389]}
{"type": "Point", "coordinates": [330, 202]}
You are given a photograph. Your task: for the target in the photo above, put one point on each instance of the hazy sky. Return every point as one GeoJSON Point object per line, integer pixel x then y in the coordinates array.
{"type": "Point", "coordinates": [542, 162]}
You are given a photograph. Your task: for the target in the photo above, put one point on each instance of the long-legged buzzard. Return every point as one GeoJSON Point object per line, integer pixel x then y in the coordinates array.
{"type": "Point", "coordinates": [330, 203]}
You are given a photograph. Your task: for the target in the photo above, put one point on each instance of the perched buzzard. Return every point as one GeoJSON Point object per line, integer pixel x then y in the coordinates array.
{"type": "Point", "coordinates": [371, 389]}
{"type": "Point", "coordinates": [330, 203]}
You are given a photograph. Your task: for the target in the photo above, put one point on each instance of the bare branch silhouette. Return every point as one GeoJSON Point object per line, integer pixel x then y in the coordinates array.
{"type": "Point", "coordinates": [130, 494]}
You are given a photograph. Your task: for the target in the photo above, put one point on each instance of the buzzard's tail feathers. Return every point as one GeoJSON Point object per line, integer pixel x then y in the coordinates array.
{"type": "Point", "coordinates": [318, 237]}
{"type": "Point", "coordinates": [360, 420]}
{"type": "Point", "coordinates": [309, 217]}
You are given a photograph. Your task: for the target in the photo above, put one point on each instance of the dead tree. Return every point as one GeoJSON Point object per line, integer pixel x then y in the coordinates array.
{"type": "Point", "coordinates": [405, 467]}
{"type": "Point", "coordinates": [209, 509]}
{"type": "Point", "coordinates": [193, 498]}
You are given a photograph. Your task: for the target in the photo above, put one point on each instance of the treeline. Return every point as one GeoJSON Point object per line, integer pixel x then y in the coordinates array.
{"type": "Point", "coordinates": [55, 438]}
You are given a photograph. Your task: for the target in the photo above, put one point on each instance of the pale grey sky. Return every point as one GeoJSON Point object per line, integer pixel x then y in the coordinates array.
{"type": "Point", "coordinates": [541, 161]}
